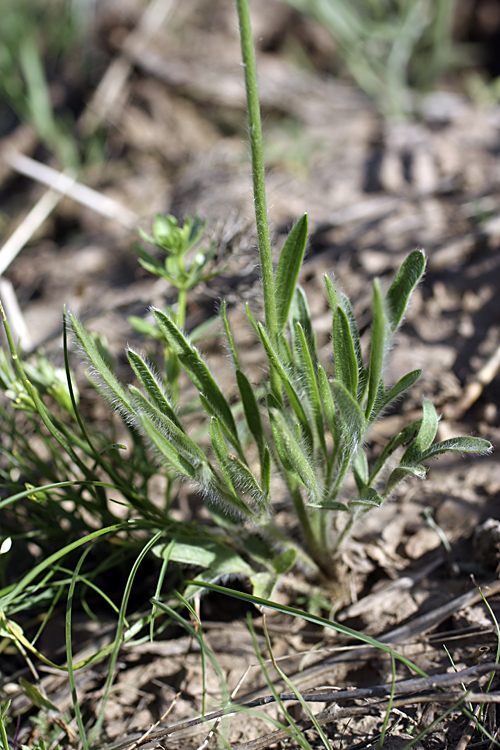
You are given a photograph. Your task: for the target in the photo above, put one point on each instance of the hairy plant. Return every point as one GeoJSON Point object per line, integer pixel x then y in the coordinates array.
{"type": "Point", "coordinates": [308, 424]}
{"type": "Point", "coordinates": [298, 434]}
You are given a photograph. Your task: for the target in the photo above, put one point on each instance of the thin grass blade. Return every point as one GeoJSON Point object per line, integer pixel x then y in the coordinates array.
{"type": "Point", "coordinates": [322, 622]}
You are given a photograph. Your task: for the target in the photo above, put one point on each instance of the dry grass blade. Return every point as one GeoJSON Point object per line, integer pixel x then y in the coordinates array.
{"type": "Point", "coordinates": [335, 713]}
{"type": "Point", "coordinates": [405, 689]}
{"type": "Point", "coordinates": [403, 634]}
{"type": "Point", "coordinates": [34, 219]}
{"type": "Point", "coordinates": [66, 185]}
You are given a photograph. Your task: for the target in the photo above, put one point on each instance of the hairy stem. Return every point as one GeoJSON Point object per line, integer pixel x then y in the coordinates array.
{"type": "Point", "coordinates": [259, 189]}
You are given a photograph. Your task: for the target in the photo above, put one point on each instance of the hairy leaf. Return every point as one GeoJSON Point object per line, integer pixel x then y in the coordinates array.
{"type": "Point", "coordinates": [367, 499]}
{"type": "Point", "coordinates": [425, 436]}
{"type": "Point", "coordinates": [168, 428]}
{"type": "Point", "coordinates": [346, 364]}
{"type": "Point", "coordinates": [406, 280]}
{"type": "Point", "coordinates": [403, 472]}
{"type": "Point", "coordinates": [377, 350]}
{"type": "Point", "coordinates": [311, 385]}
{"type": "Point", "coordinates": [300, 313]}
{"type": "Point", "coordinates": [328, 403]}
{"type": "Point", "coordinates": [292, 454]}
{"type": "Point", "coordinates": [150, 382]}
{"type": "Point", "coordinates": [288, 269]}
{"type": "Point", "coordinates": [402, 438]}
{"type": "Point", "coordinates": [102, 376]}
{"type": "Point", "coordinates": [199, 373]}
{"type": "Point", "coordinates": [460, 445]}
{"type": "Point", "coordinates": [251, 409]}
{"type": "Point", "coordinates": [397, 390]}
{"type": "Point", "coordinates": [295, 401]}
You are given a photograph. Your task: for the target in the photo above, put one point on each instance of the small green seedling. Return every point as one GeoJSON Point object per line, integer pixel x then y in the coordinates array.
{"type": "Point", "coordinates": [308, 422]}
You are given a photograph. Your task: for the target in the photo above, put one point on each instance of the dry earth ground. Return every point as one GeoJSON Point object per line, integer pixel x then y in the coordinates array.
{"type": "Point", "coordinates": [172, 108]}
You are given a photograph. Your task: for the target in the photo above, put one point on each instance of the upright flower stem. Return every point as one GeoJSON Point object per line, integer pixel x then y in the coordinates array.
{"type": "Point", "coordinates": [259, 188]}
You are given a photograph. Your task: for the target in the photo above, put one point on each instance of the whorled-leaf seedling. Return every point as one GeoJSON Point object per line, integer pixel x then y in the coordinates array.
{"type": "Point", "coordinates": [308, 422]}
{"type": "Point", "coordinates": [295, 436]}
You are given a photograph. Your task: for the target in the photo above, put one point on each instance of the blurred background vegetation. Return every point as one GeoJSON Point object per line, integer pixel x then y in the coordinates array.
{"type": "Point", "coordinates": [52, 53]}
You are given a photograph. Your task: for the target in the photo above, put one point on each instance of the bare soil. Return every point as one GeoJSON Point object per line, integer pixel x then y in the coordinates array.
{"type": "Point", "coordinates": [174, 126]}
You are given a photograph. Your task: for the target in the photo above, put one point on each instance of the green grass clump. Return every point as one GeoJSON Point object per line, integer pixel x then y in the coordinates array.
{"type": "Point", "coordinates": [394, 51]}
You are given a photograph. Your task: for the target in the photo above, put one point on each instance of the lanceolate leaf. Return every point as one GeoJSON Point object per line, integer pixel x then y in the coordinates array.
{"type": "Point", "coordinates": [300, 313]}
{"type": "Point", "coordinates": [351, 419]}
{"type": "Point", "coordinates": [402, 438]}
{"type": "Point", "coordinates": [329, 505]}
{"type": "Point", "coordinates": [229, 334]}
{"type": "Point", "coordinates": [265, 471]}
{"type": "Point", "coordinates": [221, 453]}
{"type": "Point", "coordinates": [198, 371]}
{"type": "Point", "coordinates": [245, 481]}
{"type": "Point", "coordinates": [288, 269]}
{"type": "Point", "coordinates": [104, 379]}
{"type": "Point", "coordinates": [377, 350]}
{"type": "Point", "coordinates": [360, 469]}
{"type": "Point", "coordinates": [328, 404]}
{"type": "Point", "coordinates": [332, 292]}
{"type": "Point", "coordinates": [237, 475]}
{"type": "Point", "coordinates": [345, 304]}
{"type": "Point", "coordinates": [294, 456]}
{"type": "Point", "coordinates": [351, 428]}
{"type": "Point", "coordinates": [397, 390]}
{"type": "Point", "coordinates": [406, 280]}
{"type": "Point", "coordinates": [311, 385]}
{"type": "Point", "coordinates": [204, 552]}
{"type": "Point", "coordinates": [403, 472]}
{"type": "Point", "coordinates": [169, 429]}
{"type": "Point", "coordinates": [295, 401]}
{"type": "Point", "coordinates": [150, 383]}
{"type": "Point", "coordinates": [207, 405]}
{"type": "Point", "coordinates": [460, 445]}
{"type": "Point", "coordinates": [162, 444]}
{"type": "Point", "coordinates": [346, 364]}
{"type": "Point", "coordinates": [425, 435]}
{"type": "Point", "coordinates": [367, 499]}
{"type": "Point", "coordinates": [251, 409]}
{"type": "Point", "coordinates": [216, 559]}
